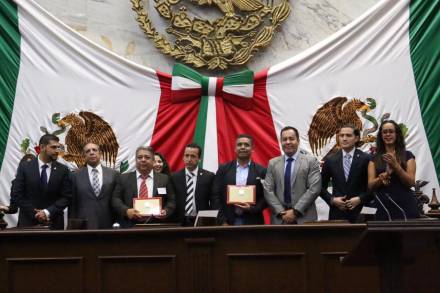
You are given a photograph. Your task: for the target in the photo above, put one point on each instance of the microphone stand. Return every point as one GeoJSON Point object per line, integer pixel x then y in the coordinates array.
{"type": "Point", "coordinates": [381, 203]}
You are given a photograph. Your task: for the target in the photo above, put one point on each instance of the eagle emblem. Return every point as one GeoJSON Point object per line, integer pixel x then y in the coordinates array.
{"type": "Point", "coordinates": [87, 127]}
{"type": "Point", "coordinates": [243, 28]}
{"type": "Point", "coordinates": [339, 111]}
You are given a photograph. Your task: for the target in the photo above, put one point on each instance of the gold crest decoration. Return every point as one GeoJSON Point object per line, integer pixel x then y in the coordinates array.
{"type": "Point", "coordinates": [244, 27]}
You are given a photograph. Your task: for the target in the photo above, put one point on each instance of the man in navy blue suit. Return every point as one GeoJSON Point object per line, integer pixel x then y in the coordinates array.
{"type": "Point", "coordinates": [42, 187]}
{"type": "Point", "coordinates": [348, 171]}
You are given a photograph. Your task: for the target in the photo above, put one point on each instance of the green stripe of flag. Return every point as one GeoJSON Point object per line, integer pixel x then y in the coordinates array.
{"type": "Point", "coordinates": [202, 116]}
{"type": "Point", "coordinates": [242, 77]}
{"type": "Point", "coordinates": [9, 66]}
{"type": "Point", "coordinates": [425, 55]}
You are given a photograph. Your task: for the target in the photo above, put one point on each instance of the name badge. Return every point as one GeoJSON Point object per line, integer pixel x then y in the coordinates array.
{"type": "Point", "coordinates": [162, 190]}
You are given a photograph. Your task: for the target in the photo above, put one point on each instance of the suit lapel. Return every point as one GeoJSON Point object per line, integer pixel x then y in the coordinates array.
{"type": "Point", "coordinates": [84, 177]}
{"type": "Point", "coordinates": [155, 183]}
{"type": "Point", "coordinates": [251, 174]}
{"type": "Point", "coordinates": [354, 163]}
{"type": "Point", "coordinates": [53, 173]}
{"type": "Point", "coordinates": [297, 166]}
{"type": "Point", "coordinates": [232, 173]}
{"type": "Point", "coordinates": [105, 182]}
{"type": "Point", "coordinates": [340, 165]}
{"type": "Point", "coordinates": [279, 167]}
{"type": "Point", "coordinates": [132, 183]}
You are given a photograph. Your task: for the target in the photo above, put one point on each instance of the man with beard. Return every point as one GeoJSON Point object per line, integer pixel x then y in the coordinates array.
{"type": "Point", "coordinates": [42, 187]}
{"type": "Point", "coordinates": [242, 171]}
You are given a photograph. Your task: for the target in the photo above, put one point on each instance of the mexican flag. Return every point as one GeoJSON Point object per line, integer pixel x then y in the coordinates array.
{"type": "Point", "coordinates": [383, 65]}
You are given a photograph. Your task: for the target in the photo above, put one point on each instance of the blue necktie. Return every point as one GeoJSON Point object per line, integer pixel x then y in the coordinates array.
{"type": "Point", "coordinates": [287, 186]}
{"type": "Point", "coordinates": [43, 177]}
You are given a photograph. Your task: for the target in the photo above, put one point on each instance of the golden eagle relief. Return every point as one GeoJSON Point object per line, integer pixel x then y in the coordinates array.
{"type": "Point", "coordinates": [88, 127]}
{"type": "Point", "coordinates": [213, 42]}
{"type": "Point", "coordinates": [331, 117]}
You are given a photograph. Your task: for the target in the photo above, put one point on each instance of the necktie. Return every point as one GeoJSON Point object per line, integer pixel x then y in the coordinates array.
{"type": "Point", "coordinates": [347, 165]}
{"type": "Point", "coordinates": [95, 182]}
{"type": "Point", "coordinates": [143, 191]}
{"type": "Point", "coordinates": [287, 185]}
{"type": "Point", "coordinates": [43, 176]}
{"type": "Point", "coordinates": [190, 190]}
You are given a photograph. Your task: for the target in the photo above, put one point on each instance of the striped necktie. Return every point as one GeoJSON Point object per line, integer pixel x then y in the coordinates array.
{"type": "Point", "coordinates": [95, 182]}
{"type": "Point", "coordinates": [190, 190]}
{"type": "Point", "coordinates": [143, 190]}
{"type": "Point", "coordinates": [347, 165]}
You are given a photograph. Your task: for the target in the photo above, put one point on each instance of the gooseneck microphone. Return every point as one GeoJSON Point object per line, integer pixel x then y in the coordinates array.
{"type": "Point", "coordinates": [395, 203]}
{"type": "Point", "coordinates": [381, 203]}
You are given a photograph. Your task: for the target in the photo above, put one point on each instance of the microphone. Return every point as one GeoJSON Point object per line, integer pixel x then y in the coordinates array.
{"type": "Point", "coordinates": [381, 203]}
{"type": "Point", "coordinates": [395, 203]}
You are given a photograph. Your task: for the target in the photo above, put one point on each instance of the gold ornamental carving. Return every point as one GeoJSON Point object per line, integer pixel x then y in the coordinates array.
{"type": "Point", "coordinates": [244, 27]}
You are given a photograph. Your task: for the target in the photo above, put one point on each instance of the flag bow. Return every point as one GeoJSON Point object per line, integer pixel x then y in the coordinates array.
{"type": "Point", "coordinates": [237, 88]}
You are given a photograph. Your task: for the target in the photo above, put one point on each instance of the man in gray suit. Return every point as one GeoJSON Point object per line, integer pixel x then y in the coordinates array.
{"type": "Point", "coordinates": [292, 182]}
{"type": "Point", "coordinates": [93, 187]}
{"type": "Point", "coordinates": [143, 183]}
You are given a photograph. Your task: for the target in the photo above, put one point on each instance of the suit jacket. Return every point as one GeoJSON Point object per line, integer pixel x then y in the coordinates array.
{"type": "Point", "coordinates": [355, 185]}
{"type": "Point", "coordinates": [202, 192]}
{"type": "Point", "coordinates": [30, 194]}
{"type": "Point", "coordinates": [306, 186]}
{"type": "Point", "coordinates": [226, 175]}
{"type": "Point", "coordinates": [86, 205]}
{"type": "Point", "coordinates": [126, 189]}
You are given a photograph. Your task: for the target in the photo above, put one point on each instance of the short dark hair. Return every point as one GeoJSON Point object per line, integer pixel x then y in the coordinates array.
{"type": "Point", "coordinates": [145, 148]}
{"type": "Point", "coordinates": [289, 128]}
{"type": "Point", "coordinates": [195, 146]}
{"type": "Point", "coordinates": [47, 138]}
{"type": "Point", "coordinates": [244, 135]}
{"type": "Point", "coordinates": [356, 131]}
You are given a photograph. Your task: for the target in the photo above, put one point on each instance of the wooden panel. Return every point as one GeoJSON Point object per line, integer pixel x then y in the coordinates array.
{"type": "Point", "coordinates": [337, 277]}
{"type": "Point", "coordinates": [198, 265]}
{"type": "Point", "coordinates": [267, 272]}
{"type": "Point", "coordinates": [57, 274]}
{"type": "Point", "coordinates": [146, 273]}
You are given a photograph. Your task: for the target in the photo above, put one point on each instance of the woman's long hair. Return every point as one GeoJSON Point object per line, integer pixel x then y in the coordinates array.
{"type": "Point", "coordinates": [166, 167]}
{"type": "Point", "coordinates": [399, 145]}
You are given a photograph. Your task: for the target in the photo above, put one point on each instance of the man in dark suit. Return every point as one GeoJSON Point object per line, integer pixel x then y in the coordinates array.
{"type": "Point", "coordinates": [193, 186]}
{"type": "Point", "coordinates": [241, 171]}
{"type": "Point", "coordinates": [93, 187]}
{"type": "Point", "coordinates": [42, 187]}
{"type": "Point", "coordinates": [144, 182]}
{"type": "Point", "coordinates": [348, 171]}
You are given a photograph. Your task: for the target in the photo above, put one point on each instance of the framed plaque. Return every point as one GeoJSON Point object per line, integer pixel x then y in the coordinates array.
{"type": "Point", "coordinates": [148, 206]}
{"type": "Point", "coordinates": [241, 194]}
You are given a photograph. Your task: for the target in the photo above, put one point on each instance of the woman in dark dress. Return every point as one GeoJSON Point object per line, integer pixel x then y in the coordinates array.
{"type": "Point", "coordinates": [391, 174]}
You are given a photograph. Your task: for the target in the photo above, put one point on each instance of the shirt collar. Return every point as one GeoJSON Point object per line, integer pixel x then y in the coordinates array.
{"type": "Point", "coordinates": [351, 153]}
{"type": "Point", "coordinates": [195, 171]}
{"type": "Point", "coordinates": [151, 174]}
{"type": "Point", "coordinates": [294, 157]}
{"type": "Point", "coordinates": [99, 168]}
{"type": "Point", "coordinates": [248, 164]}
{"type": "Point", "coordinates": [41, 163]}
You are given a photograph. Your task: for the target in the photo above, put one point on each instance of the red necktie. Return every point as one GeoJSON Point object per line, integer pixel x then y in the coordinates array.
{"type": "Point", "coordinates": [143, 191]}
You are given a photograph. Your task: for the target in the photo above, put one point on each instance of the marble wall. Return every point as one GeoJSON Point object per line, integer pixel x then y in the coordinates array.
{"type": "Point", "coordinates": [112, 24]}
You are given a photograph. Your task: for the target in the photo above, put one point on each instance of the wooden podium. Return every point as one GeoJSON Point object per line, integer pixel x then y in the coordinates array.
{"type": "Point", "coordinates": [396, 246]}
{"type": "Point", "coordinates": [284, 258]}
